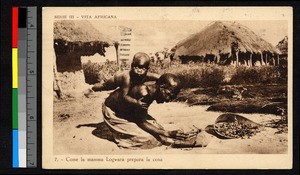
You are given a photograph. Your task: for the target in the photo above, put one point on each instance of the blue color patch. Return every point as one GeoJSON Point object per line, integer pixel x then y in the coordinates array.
{"type": "Point", "coordinates": [15, 149]}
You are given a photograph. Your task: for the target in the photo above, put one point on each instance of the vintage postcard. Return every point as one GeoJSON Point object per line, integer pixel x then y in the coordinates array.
{"type": "Point", "coordinates": [167, 87]}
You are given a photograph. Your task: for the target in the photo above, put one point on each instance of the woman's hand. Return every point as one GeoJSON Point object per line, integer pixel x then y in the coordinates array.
{"type": "Point", "coordinates": [177, 134]}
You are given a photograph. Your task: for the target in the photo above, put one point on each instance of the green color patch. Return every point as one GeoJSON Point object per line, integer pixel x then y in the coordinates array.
{"type": "Point", "coordinates": [15, 108]}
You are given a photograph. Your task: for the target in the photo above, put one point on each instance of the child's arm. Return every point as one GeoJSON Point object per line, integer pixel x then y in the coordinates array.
{"type": "Point", "coordinates": [124, 94]}
{"type": "Point", "coordinates": [152, 76]}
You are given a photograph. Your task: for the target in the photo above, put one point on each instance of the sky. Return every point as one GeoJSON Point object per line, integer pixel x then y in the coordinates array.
{"type": "Point", "coordinates": [152, 36]}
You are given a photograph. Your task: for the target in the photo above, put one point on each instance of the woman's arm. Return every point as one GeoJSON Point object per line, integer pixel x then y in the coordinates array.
{"type": "Point", "coordinates": [110, 84]}
{"type": "Point", "coordinates": [152, 129]}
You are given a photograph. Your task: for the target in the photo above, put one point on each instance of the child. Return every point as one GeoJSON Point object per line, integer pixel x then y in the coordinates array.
{"type": "Point", "coordinates": [128, 79]}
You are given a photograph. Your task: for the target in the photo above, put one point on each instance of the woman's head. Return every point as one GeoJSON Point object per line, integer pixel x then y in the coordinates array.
{"type": "Point", "coordinates": [169, 86]}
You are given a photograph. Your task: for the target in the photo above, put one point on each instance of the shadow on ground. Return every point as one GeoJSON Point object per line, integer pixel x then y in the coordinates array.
{"type": "Point", "coordinates": [101, 131]}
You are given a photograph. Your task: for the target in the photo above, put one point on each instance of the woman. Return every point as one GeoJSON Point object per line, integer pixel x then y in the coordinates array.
{"type": "Point", "coordinates": [131, 125]}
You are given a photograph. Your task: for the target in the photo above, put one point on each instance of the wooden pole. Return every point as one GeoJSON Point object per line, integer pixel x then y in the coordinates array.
{"type": "Point", "coordinates": [116, 44]}
{"type": "Point", "coordinates": [237, 59]}
{"type": "Point", "coordinates": [217, 59]}
{"type": "Point", "coordinates": [251, 62]}
{"type": "Point", "coordinates": [56, 82]}
{"type": "Point", "coordinates": [273, 60]}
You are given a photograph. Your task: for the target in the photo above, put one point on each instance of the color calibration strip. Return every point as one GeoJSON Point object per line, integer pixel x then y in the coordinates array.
{"type": "Point", "coordinates": [24, 86]}
{"type": "Point", "coordinates": [15, 13]}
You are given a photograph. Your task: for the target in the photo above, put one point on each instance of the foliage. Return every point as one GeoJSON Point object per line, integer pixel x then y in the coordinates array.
{"type": "Point", "coordinates": [96, 72]}
{"type": "Point", "coordinates": [259, 75]}
{"type": "Point", "coordinates": [194, 75]}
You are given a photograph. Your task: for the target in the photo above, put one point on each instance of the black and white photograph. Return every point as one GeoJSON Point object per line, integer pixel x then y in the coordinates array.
{"type": "Point", "coordinates": [167, 87]}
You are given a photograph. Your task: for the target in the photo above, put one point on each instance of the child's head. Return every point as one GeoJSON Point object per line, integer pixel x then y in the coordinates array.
{"type": "Point", "coordinates": [140, 63]}
{"type": "Point", "coordinates": [169, 86]}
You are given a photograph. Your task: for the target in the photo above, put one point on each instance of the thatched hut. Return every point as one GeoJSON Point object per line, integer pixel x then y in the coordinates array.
{"type": "Point", "coordinates": [283, 47]}
{"type": "Point", "coordinates": [72, 40]}
{"type": "Point", "coordinates": [226, 43]}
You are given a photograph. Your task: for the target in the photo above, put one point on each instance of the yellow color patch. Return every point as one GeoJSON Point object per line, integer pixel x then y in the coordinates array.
{"type": "Point", "coordinates": [15, 68]}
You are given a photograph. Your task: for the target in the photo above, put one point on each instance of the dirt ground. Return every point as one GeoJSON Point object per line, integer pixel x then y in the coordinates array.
{"type": "Point", "coordinates": [79, 129]}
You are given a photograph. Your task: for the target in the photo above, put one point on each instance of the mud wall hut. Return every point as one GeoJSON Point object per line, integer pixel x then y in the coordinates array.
{"type": "Point", "coordinates": [226, 42]}
{"type": "Point", "coordinates": [72, 40]}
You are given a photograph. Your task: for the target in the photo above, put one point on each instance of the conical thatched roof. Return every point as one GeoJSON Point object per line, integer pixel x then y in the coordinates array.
{"type": "Point", "coordinates": [283, 45]}
{"type": "Point", "coordinates": [78, 31]}
{"type": "Point", "coordinates": [217, 38]}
